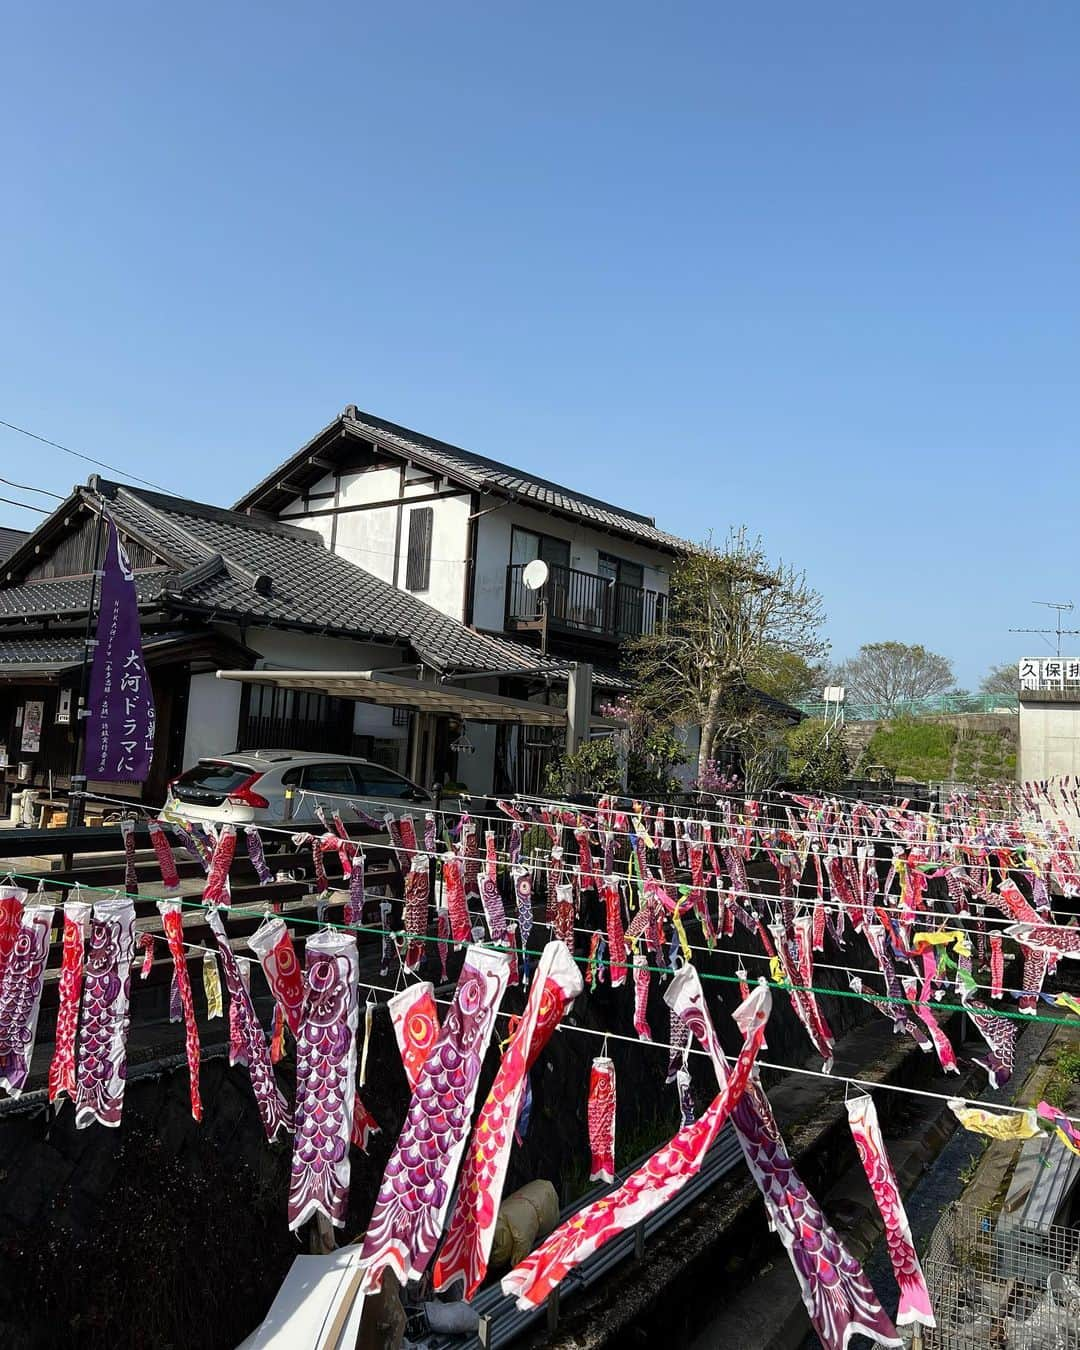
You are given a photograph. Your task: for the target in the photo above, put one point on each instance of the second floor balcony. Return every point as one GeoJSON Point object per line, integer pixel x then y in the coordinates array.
{"type": "Point", "coordinates": [584, 603]}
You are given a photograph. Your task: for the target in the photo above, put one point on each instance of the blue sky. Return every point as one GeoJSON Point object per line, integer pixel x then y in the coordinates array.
{"type": "Point", "coordinates": [812, 268]}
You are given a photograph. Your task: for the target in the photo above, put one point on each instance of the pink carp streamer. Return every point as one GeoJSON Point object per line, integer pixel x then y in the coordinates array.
{"type": "Point", "coordinates": [131, 874]}
{"type": "Point", "coordinates": [1046, 938]}
{"type": "Point", "coordinates": [415, 1019]}
{"type": "Point", "coordinates": [170, 878]}
{"type": "Point", "coordinates": [272, 943]}
{"type": "Point", "coordinates": [660, 1179]}
{"type": "Point", "coordinates": [325, 1080]}
{"type": "Point", "coordinates": [601, 1115]}
{"type": "Point", "coordinates": [914, 1295]}
{"type": "Point", "coordinates": [456, 904]}
{"type": "Point", "coordinates": [173, 922]}
{"type": "Point", "coordinates": [442, 932]}
{"type": "Point", "coordinates": [997, 966]}
{"type": "Point", "coordinates": [100, 1073]}
{"type": "Point", "coordinates": [467, 1247]}
{"type": "Point", "coordinates": [615, 935]}
{"type": "Point", "coordinates": [364, 1125]}
{"type": "Point", "coordinates": [836, 1293]}
{"type": "Point", "coordinates": [146, 944]}
{"type": "Point", "coordinates": [62, 1068]}
{"type": "Point", "coordinates": [562, 922]}
{"type": "Point", "coordinates": [251, 1046]}
{"type": "Point", "coordinates": [20, 996]}
{"type": "Point", "coordinates": [642, 978]}
{"type": "Point", "coordinates": [12, 900]}
{"type": "Point", "coordinates": [418, 1182]}
{"type": "Point", "coordinates": [417, 897]}
{"type": "Point", "coordinates": [216, 891]}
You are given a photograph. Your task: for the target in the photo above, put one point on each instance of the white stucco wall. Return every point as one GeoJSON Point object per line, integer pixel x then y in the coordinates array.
{"type": "Point", "coordinates": [212, 717]}
{"type": "Point", "coordinates": [370, 538]}
{"type": "Point", "coordinates": [1049, 740]}
{"type": "Point", "coordinates": [493, 554]}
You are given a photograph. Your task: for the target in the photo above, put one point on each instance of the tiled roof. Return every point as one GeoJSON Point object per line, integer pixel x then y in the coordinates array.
{"type": "Point", "coordinates": [251, 568]}
{"type": "Point", "coordinates": [10, 540]}
{"type": "Point", "coordinates": [481, 474]}
{"type": "Point", "coordinates": [68, 595]}
{"type": "Point", "coordinates": [51, 653]}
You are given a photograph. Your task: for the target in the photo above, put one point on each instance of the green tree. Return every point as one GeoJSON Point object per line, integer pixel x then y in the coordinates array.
{"type": "Point", "coordinates": [730, 610]}
{"type": "Point", "coordinates": [1002, 679]}
{"type": "Point", "coordinates": [817, 758]}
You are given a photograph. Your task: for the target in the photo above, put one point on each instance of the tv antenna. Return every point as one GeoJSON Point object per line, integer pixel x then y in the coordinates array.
{"type": "Point", "coordinates": [1065, 607]}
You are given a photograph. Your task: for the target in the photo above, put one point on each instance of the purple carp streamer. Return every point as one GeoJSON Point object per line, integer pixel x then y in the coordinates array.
{"type": "Point", "coordinates": [494, 909]}
{"type": "Point", "coordinates": [20, 996]}
{"type": "Point", "coordinates": [835, 1291]}
{"type": "Point", "coordinates": [325, 1080]}
{"type": "Point", "coordinates": [419, 1178]}
{"type": "Point", "coordinates": [101, 1071]}
{"type": "Point", "coordinates": [914, 1295]}
{"type": "Point", "coordinates": [250, 1041]}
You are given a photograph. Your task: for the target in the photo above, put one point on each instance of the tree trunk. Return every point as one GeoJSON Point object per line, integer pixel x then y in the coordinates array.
{"type": "Point", "coordinates": [708, 731]}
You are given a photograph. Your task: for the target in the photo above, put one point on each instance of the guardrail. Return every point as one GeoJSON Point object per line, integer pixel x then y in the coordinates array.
{"type": "Point", "coordinates": [923, 707]}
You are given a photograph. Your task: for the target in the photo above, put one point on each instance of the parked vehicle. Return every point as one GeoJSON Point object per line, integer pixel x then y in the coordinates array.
{"type": "Point", "coordinates": [266, 787]}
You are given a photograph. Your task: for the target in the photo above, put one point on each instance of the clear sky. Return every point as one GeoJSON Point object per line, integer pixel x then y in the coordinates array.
{"type": "Point", "coordinates": [811, 267]}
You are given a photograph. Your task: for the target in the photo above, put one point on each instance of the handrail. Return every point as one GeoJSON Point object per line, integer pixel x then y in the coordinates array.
{"type": "Point", "coordinates": [585, 602]}
{"type": "Point", "coordinates": [922, 707]}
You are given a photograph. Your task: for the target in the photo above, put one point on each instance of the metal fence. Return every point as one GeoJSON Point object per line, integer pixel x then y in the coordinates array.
{"type": "Point", "coordinates": [923, 707]}
{"type": "Point", "coordinates": [999, 1282]}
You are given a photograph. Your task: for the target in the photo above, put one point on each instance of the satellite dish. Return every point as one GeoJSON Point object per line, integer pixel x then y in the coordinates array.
{"type": "Point", "coordinates": [535, 575]}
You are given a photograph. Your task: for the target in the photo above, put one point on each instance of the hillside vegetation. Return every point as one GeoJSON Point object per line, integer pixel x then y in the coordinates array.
{"type": "Point", "coordinates": [928, 750]}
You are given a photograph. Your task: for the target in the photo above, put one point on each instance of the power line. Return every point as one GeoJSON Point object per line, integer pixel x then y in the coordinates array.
{"type": "Point", "coordinates": [79, 455]}
{"type": "Point", "coordinates": [27, 487]}
{"type": "Point", "coordinates": [10, 501]}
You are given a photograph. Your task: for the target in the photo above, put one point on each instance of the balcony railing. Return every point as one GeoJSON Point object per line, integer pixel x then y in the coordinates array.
{"type": "Point", "coordinates": [582, 602]}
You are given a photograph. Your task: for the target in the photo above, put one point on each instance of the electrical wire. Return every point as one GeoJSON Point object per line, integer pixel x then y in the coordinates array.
{"type": "Point", "coordinates": [27, 487]}
{"type": "Point", "coordinates": [89, 459]}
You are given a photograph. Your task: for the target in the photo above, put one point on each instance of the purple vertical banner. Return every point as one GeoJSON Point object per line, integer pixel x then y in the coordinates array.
{"type": "Point", "coordinates": [120, 724]}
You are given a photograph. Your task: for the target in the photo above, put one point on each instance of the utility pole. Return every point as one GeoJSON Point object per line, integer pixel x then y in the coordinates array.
{"type": "Point", "coordinates": [1064, 607]}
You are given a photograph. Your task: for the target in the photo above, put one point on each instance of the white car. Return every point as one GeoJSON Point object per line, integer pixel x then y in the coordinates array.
{"type": "Point", "coordinates": [266, 787]}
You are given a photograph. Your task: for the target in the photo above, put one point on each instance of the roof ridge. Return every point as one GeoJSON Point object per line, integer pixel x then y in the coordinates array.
{"type": "Point", "coordinates": [418, 437]}
{"type": "Point", "coordinates": [158, 501]}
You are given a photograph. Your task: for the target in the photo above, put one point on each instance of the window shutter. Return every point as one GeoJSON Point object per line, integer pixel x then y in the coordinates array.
{"type": "Point", "coordinates": [418, 567]}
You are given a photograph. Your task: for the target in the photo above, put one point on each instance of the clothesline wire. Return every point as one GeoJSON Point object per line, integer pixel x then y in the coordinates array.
{"type": "Point", "coordinates": [930, 817]}
{"type": "Point", "coordinates": [659, 1045]}
{"type": "Point", "coordinates": [785, 986]}
{"type": "Point", "coordinates": [342, 799]}
{"type": "Point", "coordinates": [638, 1042]}
{"type": "Point", "coordinates": [830, 903]}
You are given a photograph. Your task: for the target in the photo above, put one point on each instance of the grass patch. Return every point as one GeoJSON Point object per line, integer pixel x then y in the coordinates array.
{"type": "Point", "coordinates": [1064, 1078]}
{"type": "Point", "coordinates": [913, 749]}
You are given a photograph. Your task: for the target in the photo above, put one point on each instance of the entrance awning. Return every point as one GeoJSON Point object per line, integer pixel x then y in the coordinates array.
{"type": "Point", "coordinates": [395, 691]}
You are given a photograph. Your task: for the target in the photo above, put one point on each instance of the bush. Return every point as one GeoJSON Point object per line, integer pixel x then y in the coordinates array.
{"type": "Point", "coordinates": [817, 759]}
{"type": "Point", "coordinates": [594, 767]}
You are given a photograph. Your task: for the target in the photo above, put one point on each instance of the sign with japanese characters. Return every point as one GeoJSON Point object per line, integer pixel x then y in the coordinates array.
{"type": "Point", "coordinates": [1055, 672]}
{"type": "Point", "coordinates": [120, 725]}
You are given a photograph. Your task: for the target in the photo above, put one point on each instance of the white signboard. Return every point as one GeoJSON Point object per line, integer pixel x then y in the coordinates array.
{"type": "Point", "coordinates": [1054, 672]}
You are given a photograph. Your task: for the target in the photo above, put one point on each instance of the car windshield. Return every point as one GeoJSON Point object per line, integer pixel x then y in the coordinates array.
{"type": "Point", "coordinates": [380, 782]}
{"type": "Point", "coordinates": [215, 777]}
{"type": "Point", "coordinates": [331, 778]}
